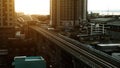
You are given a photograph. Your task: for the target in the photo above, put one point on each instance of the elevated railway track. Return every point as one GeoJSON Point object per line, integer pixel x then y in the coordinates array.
{"type": "Point", "coordinates": [81, 52]}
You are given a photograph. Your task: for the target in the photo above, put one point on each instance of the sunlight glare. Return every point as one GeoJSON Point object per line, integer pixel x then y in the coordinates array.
{"type": "Point", "coordinates": [33, 6]}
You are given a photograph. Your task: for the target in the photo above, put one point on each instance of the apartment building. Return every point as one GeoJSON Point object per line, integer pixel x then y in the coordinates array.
{"type": "Point", "coordinates": [7, 13]}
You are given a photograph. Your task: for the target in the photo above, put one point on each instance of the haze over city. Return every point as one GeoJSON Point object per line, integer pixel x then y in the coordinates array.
{"type": "Point", "coordinates": [103, 5]}
{"type": "Point", "coordinates": [33, 6]}
{"type": "Point", "coordinates": [43, 6]}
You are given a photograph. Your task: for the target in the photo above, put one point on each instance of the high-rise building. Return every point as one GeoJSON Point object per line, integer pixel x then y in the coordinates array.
{"type": "Point", "coordinates": [7, 13]}
{"type": "Point", "coordinates": [7, 20]}
{"type": "Point", "coordinates": [64, 11]}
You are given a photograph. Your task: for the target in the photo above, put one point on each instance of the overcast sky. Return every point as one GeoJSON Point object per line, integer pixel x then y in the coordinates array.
{"type": "Point", "coordinates": [103, 4]}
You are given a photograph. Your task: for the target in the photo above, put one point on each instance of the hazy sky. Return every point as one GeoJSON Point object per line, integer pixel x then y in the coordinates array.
{"type": "Point", "coordinates": [43, 6]}
{"type": "Point", "coordinates": [103, 4]}
{"type": "Point", "coordinates": [33, 6]}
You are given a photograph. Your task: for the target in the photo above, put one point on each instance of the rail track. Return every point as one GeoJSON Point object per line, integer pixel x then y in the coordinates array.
{"type": "Point", "coordinates": [90, 56]}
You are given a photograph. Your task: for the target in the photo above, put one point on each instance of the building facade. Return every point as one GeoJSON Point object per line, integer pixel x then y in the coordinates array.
{"type": "Point", "coordinates": [7, 20]}
{"type": "Point", "coordinates": [7, 13]}
{"type": "Point", "coordinates": [67, 11]}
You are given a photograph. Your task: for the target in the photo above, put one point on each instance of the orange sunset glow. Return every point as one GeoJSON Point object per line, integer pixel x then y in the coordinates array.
{"type": "Point", "coordinates": [33, 6]}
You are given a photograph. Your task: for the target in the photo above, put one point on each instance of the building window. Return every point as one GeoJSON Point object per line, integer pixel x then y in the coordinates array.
{"type": "Point", "coordinates": [10, 23]}
{"type": "Point", "coordinates": [10, 19]}
{"type": "Point", "coordinates": [0, 23]}
{"type": "Point", "coordinates": [10, 9]}
{"type": "Point", "coordinates": [10, 5]}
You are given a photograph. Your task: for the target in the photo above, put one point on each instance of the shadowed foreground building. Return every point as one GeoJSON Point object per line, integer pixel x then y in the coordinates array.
{"type": "Point", "coordinates": [7, 31]}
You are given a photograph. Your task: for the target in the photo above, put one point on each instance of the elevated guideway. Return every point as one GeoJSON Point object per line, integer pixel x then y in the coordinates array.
{"type": "Point", "coordinates": [81, 52]}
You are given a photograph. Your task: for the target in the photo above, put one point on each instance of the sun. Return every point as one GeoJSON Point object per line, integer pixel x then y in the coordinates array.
{"type": "Point", "coordinates": [33, 6]}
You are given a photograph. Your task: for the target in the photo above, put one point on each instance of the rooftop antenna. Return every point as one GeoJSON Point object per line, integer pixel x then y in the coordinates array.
{"type": "Point", "coordinates": [108, 11]}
